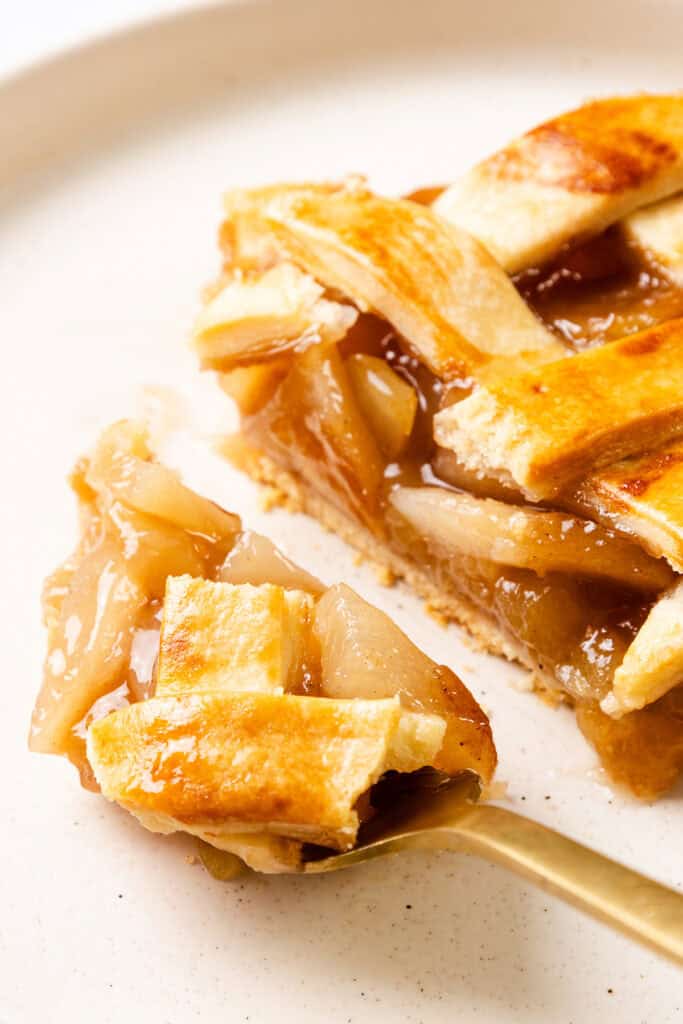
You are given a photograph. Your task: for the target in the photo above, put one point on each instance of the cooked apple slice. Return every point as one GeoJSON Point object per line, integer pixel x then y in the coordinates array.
{"type": "Point", "coordinates": [260, 316]}
{"type": "Point", "coordinates": [231, 762]}
{"type": "Point", "coordinates": [121, 469]}
{"type": "Point", "coordinates": [439, 288]}
{"type": "Point", "coordinates": [227, 637]}
{"type": "Point", "coordinates": [105, 598]}
{"type": "Point", "coordinates": [255, 559]}
{"type": "Point", "coordinates": [364, 654]}
{"type": "Point", "coordinates": [658, 231]}
{"type": "Point", "coordinates": [528, 538]}
{"type": "Point", "coordinates": [250, 387]}
{"type": "Point", "coordinates": [653, 664]}
{"type": "Point", "coordinates": [643, 496]}
{"type": "Point", "coordinates": [88, 645]}
{"type": "Point", "coordinates": [643, 750]}
{"type": "Point", "coordinates": [316, 430]}
{"type": "Point", "coordinates": [387, 401]}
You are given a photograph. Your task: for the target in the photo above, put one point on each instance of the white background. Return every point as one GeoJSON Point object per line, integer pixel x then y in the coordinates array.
{"type": "Point", "coordinates": [33, 29]}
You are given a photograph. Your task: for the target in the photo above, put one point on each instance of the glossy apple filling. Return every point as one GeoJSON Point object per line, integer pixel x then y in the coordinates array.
{"type": "Point", "coordinates": [335, 420]}
{"type": "Point", "coordinates": [139, 526]}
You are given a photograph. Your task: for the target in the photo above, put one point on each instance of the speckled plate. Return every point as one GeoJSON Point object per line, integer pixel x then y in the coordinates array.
{"type": "Point", "coordinates": [113, 160]}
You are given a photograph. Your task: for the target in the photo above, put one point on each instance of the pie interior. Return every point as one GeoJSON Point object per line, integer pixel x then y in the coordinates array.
{"type": "Point", "coordinates": [481, 388]}
{"type": "Point", "coordinates": [206, 684]}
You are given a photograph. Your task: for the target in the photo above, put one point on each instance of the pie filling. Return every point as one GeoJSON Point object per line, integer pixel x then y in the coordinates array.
{"type": "Point", "coordinates": [350, 422]}
{"type": "Point", "coordinates": [201, 680]}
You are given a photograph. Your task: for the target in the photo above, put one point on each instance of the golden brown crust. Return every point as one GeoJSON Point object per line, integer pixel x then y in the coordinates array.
{"type": "Point", "coordinates": [605, 147]}
{"type": "Point", "coordinates": [571, 177]}
{"type": "Point", "coordinates": [247, 761]}
{"type": "Point", "coordinates": [435, 284]}
{"type": "Point", "coordinates": [225, 637]}
{"type": "Point", "coordinates": [552, 425]}
{"type": "Point", "coordinates": [643, 496]}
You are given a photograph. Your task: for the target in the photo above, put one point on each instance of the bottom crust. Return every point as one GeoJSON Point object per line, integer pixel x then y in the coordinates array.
{"type": "Point", "coordinates": [291, 491]}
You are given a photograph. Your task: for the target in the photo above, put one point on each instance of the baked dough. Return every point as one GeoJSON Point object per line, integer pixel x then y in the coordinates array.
{"type": "Point", "coordinates": [437, 285]}
{"type": "Point", "coordinates": [226, 637]}
{"type": "Point", "coordinates": [643, 496]}
{"type": "Point", "coordinates": [570, 178]}
{"type": "Point", "coordinates": [220, 763]}
{"type": "Point", "coordinates": [653, 664]}
{"type": "Point", "coordinates": [549, 426]}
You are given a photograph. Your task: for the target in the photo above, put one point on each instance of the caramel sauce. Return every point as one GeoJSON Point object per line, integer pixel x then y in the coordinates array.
{"type": "Point", "coordinates": [600, 291]}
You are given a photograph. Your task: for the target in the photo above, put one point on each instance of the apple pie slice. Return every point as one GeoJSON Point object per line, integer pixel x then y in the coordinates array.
{"type": "Point", "coordinates": [207, 685]}
{"type": "Point", "coordinates": [499, 417]}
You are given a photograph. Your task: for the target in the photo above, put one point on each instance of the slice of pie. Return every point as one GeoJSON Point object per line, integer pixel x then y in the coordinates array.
{"type": "Point", "coordinates": [206, 684]}
{"type": "Point", "coordinates": [485, 395]}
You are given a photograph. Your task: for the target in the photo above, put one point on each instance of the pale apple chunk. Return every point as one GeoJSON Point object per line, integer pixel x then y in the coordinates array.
{"type": "Point", "coordinates": [387, 401]}
{"type": "Point", "coordinates": [88, 646]}
{"type": "Point", "coordinates": [121, 469]}
{"type": "Point", "coordinates": [219, 763]}
{"type": "Point", "coordinates": [365, 655]}
{"type": "Point", "coordinates": [653, 664]}
{"type": "Point", "coordinates": [250, 387]}
{"type": "Point", "coordinates": [449, 468]}
{"type": "Point", "coordinates": [527, 538]}
{"type": "Point", "coordinates": [263, 315]}
{"type": "Point", "coordinates": [658, 230]}
{"type": "Point", "coordinates": [227, 637]}
{"type": "Point", "coordinates": [105, 598]}
{"type": "Point", "coordinates": [313, 427]}
{"type": "Point", "coordinates": [255, 559]}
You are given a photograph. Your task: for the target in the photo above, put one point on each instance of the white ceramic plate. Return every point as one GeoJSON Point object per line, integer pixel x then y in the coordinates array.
{"type": "Point", "coordinates": [113, 161]}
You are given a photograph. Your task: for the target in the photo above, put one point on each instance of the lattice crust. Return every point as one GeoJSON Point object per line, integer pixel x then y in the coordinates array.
{"type": "Point", "coordinates": [226, 637]}
{"type": "Point", "coordinates": [438, 287]}
{"type": "Point", "coordinates": [599, 432]}
{"type": "Point", "coordinates": [549, 426]}
{"type": "Point", "coordinates": [653, 664]}
{"type": "Point", "coordinates": [643, 496]}
{"type": "Point", "coordinates": [222, 752]}
{"type": "Point", "coordinates": [570, 178]}
{"type": "Point", "coordinates": [249, 762]}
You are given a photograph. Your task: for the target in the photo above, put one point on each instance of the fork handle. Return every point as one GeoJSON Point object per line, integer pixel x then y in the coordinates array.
{"type": "Point", "coordinates": [637, 906]}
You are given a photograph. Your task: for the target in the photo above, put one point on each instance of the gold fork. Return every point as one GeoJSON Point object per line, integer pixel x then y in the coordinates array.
{"type": "Point", "coordinates": [448, 817]}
